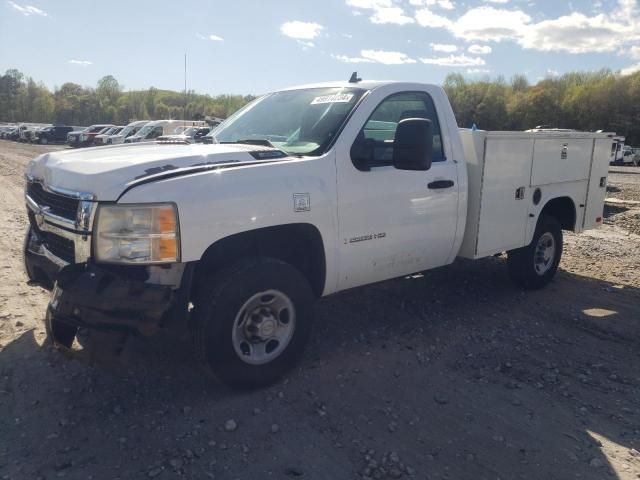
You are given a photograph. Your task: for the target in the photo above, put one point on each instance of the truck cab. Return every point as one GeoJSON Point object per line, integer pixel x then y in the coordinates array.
{"type": "Point", "coordinates": [305, 192]}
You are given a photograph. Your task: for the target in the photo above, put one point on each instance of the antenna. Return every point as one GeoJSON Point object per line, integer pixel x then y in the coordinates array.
{"type": "Point", "coordinates": [354, 78]}
{"type": "Point", "coordinates": [184, 110]}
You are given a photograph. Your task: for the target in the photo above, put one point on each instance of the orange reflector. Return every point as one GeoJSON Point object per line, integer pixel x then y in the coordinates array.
{"type": "Point", "coordinates": [167, 249]}
{"type": "Point", "coordinates": [165, 220]}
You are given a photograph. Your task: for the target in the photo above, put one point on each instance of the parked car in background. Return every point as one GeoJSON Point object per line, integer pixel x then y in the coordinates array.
{"type": "Point", "coordinates": [26, 131]}
{"type": "Point", "coordinates": [627, 155]}
{"type": "Point", "coordinates": [84, 138]}
{"type": "Point", "coordinates": [103, 138]}
{"type": "Point", "coordinates": [13, 134]}
{"type": "Point", "coordinates": [129, 130]}
{"type": "Point", "coordinates": [636, 157]}
{"type": "Point", "coordinates": [616, 151]}
{"type": "Point", "coordinates": [190, 135]}
{"type": "Point", "coordinates": [6, 130]}
{"type": "Point", "coordinates": [158, 128]}
{"type": "Point", "coordinates": [53, 134]}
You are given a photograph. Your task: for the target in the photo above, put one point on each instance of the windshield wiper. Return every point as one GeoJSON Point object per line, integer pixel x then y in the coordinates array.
{"type": "Point", "coordinates": [255, 141]}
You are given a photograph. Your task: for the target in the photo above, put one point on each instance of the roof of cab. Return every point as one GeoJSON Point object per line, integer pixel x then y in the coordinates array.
{"type": "Point", "coordinates": [364, 84]}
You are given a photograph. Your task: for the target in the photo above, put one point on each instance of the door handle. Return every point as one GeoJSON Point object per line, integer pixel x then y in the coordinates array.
{"type": "Point", "coordinates": [440, 184]}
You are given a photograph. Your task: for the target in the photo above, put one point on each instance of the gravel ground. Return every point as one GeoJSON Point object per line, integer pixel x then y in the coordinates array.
{"type": "Point", "coordinates": [453, 374]}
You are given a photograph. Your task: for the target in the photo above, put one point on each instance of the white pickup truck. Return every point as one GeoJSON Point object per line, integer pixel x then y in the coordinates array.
{"type": "Point", "coordinates": [307, 191]}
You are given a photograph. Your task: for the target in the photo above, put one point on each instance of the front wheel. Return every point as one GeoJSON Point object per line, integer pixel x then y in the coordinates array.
{"type": "Point", "coordinates": [252, 321]}
{"type": "Point", "coordinates": [534, 266]}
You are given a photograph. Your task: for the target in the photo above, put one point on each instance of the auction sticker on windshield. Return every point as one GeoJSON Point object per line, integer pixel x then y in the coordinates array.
{"type": "Point", "coordinates": [336, 98]}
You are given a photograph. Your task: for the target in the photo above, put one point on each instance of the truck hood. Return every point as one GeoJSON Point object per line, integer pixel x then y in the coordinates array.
{"type": "Point", "coordinates": [106, 172]}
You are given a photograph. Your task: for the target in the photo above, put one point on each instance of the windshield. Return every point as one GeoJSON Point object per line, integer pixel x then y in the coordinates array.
{"type": "Point", "coordinates": [126, 130]}
{"type": "Point", "coordinates": [189, 132]}
{"type": "Point", "coordinates": [145, 130]}
{"type": "Point", "coordinates": [299, 122]}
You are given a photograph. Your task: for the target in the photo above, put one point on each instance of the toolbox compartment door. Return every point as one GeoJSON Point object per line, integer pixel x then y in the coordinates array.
{"type": "Point", "coordinates": [557, 160]}
{"type": "Point", "coordinates": [505, 188]}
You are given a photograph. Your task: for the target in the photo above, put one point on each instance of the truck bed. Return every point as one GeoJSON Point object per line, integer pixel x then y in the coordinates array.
{"type": "Point", "coordinates": [513, 175]}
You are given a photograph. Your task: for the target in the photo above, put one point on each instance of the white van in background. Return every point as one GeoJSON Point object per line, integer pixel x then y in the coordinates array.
{"type": "Point", "coordinates": [128, 131]}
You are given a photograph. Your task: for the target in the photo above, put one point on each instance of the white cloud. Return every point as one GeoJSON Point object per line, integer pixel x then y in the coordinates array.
{"type": "Point", "coordinates": [427, 18]}
{"type": "Point", "coordinates": [574, 33]}
{"type": "Point", "coordinates": [444, 4]}
{"type": "Point", "coordinates": [386, 57]}
{"type": "Point", "coordinates": [82, 63]}
{"type": "Point", "coordinates": [377, 56]}
{"type": "Point", "coordinates": [634, 52]}
{"type": "Point", "coordinates": [455, 61]}
{"type": "Point", "coordinates": [489, 24]}
{"type": "Point", "coordinates": [577, 33]}
{"type": "Point", "coordinates": [496, 1]}
{"type": "Point", "coordinates": [476, 71]}
{"type": "Point", "coordinates": [346, 59]}
{"type": "Point", "coordinates": [393, 15]}
{"type": "Point", "coordinates": [552, 73]}
{"type": "Point", "coordinates": [27, 10]}
{"type": "Point", "coordinates": [301, 30]}
{"type": "Point", "coordinates": [369, 4]}
{"type": "Point", "coordinates": [443, 47]}
{"type": "Point", "coordinates": [213, 38]}
{"type": "Point", "coordinates": [480, 49]}
{"type": "Point", "coordinates": [632, 69]}
{"type": "Point", "coordinates": [381, 11]}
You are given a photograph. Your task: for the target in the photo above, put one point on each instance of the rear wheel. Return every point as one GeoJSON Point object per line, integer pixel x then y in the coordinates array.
{"type": "Point", "coordinates": [534, 266]}
{"type": "Point", "coordinates": [252, 321]}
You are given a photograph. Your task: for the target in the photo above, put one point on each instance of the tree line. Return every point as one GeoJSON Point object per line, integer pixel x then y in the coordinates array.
{"type": "Point", "coordinates": [589, 101]}
{"type": "Point", "coordinates": [22, 99]}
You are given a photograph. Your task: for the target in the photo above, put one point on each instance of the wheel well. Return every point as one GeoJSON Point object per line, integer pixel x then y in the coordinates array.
{"type": "Point", "coordinates": [563, 210]}
{"type": "Point", "coordinates": [299, 244]}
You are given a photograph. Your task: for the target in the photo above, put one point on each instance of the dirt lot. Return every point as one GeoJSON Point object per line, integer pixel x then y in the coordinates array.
{"type": "Point", "coordinates": [450, 375]}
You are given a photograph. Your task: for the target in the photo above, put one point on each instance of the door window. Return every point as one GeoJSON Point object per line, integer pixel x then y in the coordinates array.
{"type": "Point", "coordinates": [373, 146]}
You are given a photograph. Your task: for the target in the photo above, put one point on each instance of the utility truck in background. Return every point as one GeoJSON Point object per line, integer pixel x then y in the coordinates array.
{"type": "Point", "coordinates": [305, 192]}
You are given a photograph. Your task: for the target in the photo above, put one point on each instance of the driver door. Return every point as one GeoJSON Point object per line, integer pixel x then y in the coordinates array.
{"type": "Point", "coordinates": [393, 222]}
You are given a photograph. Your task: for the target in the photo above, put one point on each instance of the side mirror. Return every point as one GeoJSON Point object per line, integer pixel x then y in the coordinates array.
{"type": "Point", "coordinates": [413, 144]}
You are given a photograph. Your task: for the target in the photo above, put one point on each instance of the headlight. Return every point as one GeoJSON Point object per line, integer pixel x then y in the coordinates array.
{"type": "Point", "coordinates": [137, 234]}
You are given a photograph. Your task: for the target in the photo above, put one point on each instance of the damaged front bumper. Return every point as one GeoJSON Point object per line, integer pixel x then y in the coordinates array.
{"type": "Point", "coordinates": [104, 297]}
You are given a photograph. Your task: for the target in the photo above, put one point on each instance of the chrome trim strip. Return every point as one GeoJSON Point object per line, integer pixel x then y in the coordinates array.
{"type": "Point", "coordinates": [58, 261]}
{"type": "Point", "coordinates": [61, 221]}
{"type": "Point", "coordinates": [62, 191]}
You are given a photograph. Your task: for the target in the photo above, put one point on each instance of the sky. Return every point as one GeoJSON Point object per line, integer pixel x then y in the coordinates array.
{"type": "Point", "coordinates": [255, 46]}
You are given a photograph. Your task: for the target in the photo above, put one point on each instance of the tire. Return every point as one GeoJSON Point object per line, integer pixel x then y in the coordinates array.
{"type": "Point", "coordinates": [44, 140]}
{"type": "Point", "coordinates": [58, 333]}
{"type": "Point", "coordinates": [534, 266]}
{"type": "Point", "coordinates": [250, 350]}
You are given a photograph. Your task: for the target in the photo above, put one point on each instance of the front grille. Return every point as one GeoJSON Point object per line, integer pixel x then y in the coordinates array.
{"type": "Point", "coordinates": [60, 205]}
{"type": "Point", "coordinates": [61, 247]}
